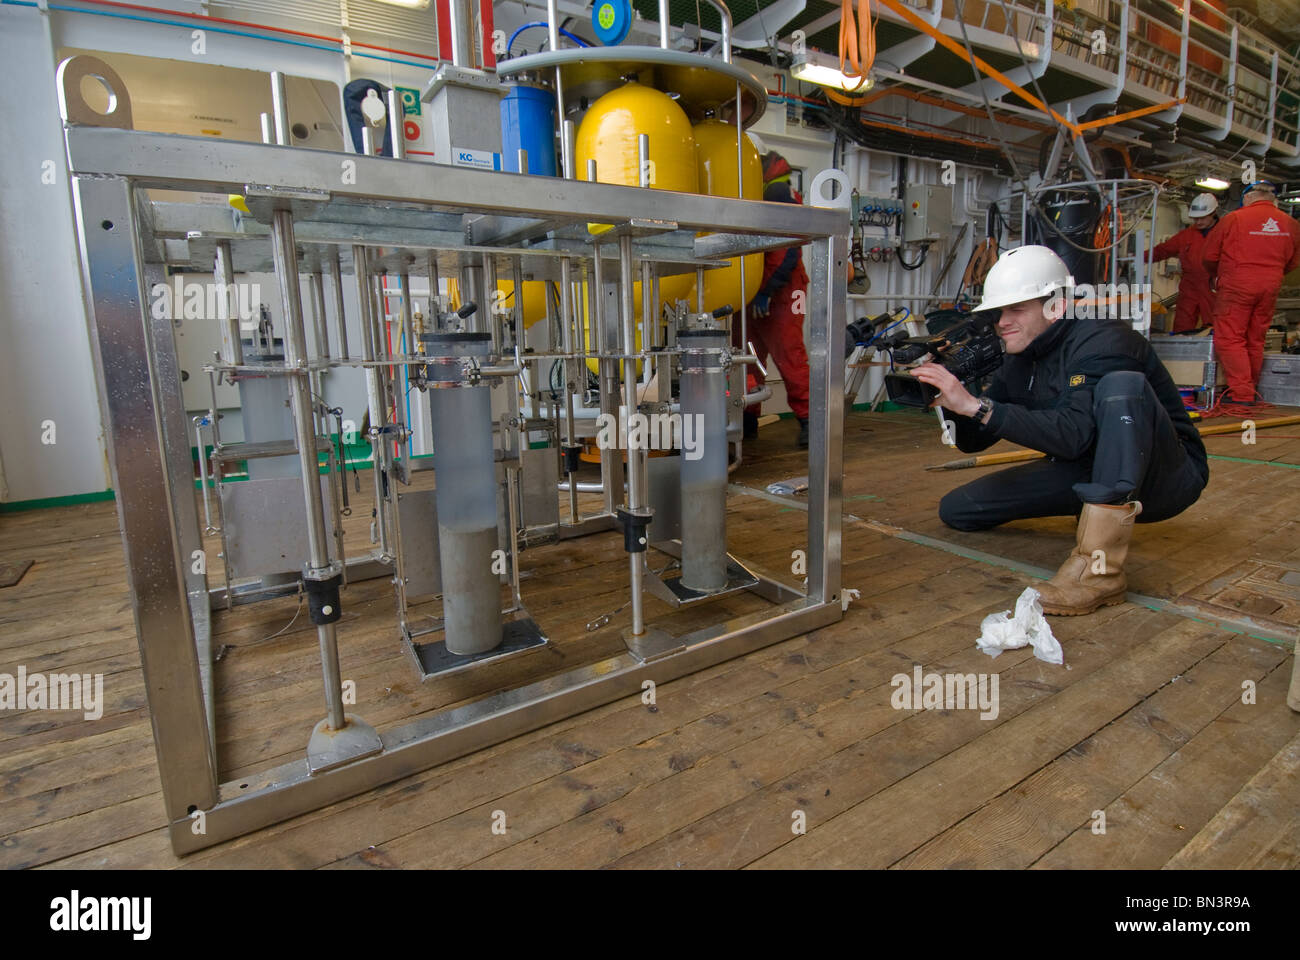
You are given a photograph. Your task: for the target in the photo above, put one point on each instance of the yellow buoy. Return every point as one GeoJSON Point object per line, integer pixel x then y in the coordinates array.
{"type": "Point", "coordinates": [534, 299]}
{"type": "Point", "coordinates": [609, 135]}
{"type": "Point", "coordinates": [715, 151]}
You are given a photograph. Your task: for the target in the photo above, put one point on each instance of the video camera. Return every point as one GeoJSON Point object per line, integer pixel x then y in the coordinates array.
{"type": "Point", "coordinates": [970, 350]}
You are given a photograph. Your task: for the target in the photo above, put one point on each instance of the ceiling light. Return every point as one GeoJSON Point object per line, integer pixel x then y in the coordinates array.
{"type": "Point", "coordinates": [1212, 183]}
{"type": "Point", "coordinates": [413, 4]}
{"type": "Point", "coordinates": [825, 74]}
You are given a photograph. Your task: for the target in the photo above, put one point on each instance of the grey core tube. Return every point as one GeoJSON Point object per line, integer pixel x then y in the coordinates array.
{"type": "Point", "coordinates": [704, 468]}
{"type": "Point", "coordinates": [467, 517]}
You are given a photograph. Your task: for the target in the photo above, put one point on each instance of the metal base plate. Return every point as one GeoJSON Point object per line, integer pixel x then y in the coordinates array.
{"type": "Point", "coordinates": [678, 594]}
{"type": "Point", "coordinates": [652, 644]}
{"type": "Point", "coordinates": [328, 748]}
{"type": "Point", "coordinates": [433, 659]}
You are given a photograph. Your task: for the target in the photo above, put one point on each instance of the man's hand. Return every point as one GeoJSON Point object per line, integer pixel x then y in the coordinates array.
{"type": "Point", "coordinates": [952, 394]}
{"type": "Point", "coordinates": [761, 305]}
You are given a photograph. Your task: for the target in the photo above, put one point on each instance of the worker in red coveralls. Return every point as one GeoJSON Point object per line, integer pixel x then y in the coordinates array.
{"type": "Point", "coordinates": [777, 312]}
{"type": "Point", "coordinates": [1195, 298]}
{"type": "Point", "coordinates": [1251, 249]}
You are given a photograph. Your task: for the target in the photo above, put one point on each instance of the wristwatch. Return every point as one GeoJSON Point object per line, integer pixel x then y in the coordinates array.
{"type": "Point", "coordinates": [986, 408]}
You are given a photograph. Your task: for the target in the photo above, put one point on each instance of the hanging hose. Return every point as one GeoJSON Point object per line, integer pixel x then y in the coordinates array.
{"type": "Point", "coordinates": [542, 23]}
{"type": "Point", "coordinates": [857, 41]}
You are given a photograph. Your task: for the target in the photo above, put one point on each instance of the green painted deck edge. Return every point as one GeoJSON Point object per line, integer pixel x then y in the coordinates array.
{"type": "Point", "coordinates": [72, 500]}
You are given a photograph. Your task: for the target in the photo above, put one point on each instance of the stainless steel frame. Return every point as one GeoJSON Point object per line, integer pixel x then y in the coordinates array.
{"type": "Point", "coordinates": [352, 205]}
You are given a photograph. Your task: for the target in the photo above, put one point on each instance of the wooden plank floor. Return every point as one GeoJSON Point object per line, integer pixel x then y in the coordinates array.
{"type": "Point", "coordinates": [1145, 723]}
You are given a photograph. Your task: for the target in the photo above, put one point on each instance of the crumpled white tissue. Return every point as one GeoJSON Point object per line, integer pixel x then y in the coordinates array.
{"type": "Point", "coordinates": [1002, 631]}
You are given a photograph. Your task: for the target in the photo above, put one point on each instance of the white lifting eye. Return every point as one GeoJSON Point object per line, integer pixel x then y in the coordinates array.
{"type": "Point", "coordinates": [373, 109]}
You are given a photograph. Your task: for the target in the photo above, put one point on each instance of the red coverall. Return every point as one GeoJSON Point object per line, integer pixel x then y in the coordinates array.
{"type": "Point", "coordinates": [780, 333]}
{"type": "Point", "coordinates": [1195, 299]}
{"type": "Point", "coordinates": [1251, 249]}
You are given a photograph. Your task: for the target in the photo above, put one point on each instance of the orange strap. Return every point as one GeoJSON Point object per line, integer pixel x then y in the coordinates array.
{"type": "Point", "coordinates": [954, 47]}
{"type": "Point", "coordinates": [1131, 115]}
{"type": "Point", "coordinates": [857, 53]}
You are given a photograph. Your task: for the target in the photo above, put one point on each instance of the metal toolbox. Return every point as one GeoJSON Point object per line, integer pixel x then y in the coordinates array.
{"type": "Point", "coordinates": [1190, 362]}
{"type": "Point", "coordinates": [1279, 379]}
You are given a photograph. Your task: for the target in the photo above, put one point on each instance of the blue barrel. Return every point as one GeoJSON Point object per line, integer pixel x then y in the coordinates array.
{"type": "Point", "coordinates": [528, 121]}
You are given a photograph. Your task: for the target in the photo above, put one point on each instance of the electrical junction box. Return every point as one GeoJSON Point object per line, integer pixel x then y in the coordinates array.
{"type": "Point", "coordinates": [927, 212]}
{"type": "Point", "coordinates": [876, 207]}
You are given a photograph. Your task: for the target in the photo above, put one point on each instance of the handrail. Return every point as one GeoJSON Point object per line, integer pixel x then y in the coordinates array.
{"type": "Point", "coordinates": [725, 13]}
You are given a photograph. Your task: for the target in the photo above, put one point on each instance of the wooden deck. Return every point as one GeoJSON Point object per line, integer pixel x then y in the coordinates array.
{"type": "Point", "coordinates": [1145, 721]}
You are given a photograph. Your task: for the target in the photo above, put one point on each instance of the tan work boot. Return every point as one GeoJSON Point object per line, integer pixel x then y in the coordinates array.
{"type": "Point", "coordinates": [1093, 574]}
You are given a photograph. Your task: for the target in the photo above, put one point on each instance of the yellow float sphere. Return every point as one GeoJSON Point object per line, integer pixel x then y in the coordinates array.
{"type": "Point", "coordinates": [715, 158]}
{"type": "Point", "coordinates": [534, 299]}
{"type": "Point", "coordinates": [609, 135]}
{"type": "Point", "coordinates": [715, 152]}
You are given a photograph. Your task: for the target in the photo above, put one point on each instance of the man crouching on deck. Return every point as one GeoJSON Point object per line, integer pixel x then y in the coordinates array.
{"type": "Point", "coordinates": [1092, 396]}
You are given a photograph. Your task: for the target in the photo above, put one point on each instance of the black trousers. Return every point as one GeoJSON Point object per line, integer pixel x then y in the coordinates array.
{"type": "Point", "coordinates": [1137, 456]}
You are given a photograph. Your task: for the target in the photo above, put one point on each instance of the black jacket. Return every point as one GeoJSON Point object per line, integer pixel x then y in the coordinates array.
{"type": "Point", "coordinates": [1043, 396]}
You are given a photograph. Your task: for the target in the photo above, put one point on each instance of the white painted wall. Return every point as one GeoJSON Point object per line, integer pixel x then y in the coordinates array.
{"type": "Point", "coordinates": [46, 372]}
{"type": "Point", "coordinates": [45, 365]}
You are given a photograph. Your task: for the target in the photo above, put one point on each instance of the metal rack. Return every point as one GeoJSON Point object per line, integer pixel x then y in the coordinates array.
{"type": "Point", "coordinates": [351, 217]}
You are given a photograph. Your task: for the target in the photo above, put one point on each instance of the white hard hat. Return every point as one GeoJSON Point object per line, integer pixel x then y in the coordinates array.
{"type": "Point", "coordinates": [1203, 204]}
{"type": "Point", "coordinates": [1025, 273]}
